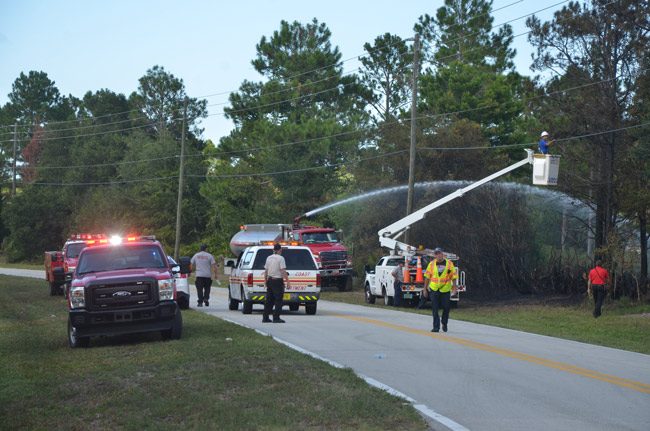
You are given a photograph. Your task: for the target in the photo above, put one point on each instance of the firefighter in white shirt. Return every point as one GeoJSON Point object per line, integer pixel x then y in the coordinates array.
{"type": "Point", "coordinates": [276, 277]}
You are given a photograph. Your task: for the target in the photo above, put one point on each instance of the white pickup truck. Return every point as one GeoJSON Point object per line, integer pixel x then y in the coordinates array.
{"type": "Point", "coordinates": [247, 286]}
{"type": "Point", "coordinates": [380, 282]}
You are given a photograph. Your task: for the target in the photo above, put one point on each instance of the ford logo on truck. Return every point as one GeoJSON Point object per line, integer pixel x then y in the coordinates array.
{"type": "Point", "coordinates": [121, 294]}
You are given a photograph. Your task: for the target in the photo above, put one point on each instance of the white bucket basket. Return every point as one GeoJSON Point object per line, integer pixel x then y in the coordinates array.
{"type": "Point", "coordinates": [546, 168]}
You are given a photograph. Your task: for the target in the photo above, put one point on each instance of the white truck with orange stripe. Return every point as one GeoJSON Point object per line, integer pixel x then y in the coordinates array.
{"type": "Point", "coordinates": [247, 286]}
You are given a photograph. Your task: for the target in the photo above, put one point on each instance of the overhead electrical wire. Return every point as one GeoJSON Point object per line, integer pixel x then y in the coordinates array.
{"type": "Point", "coordinates": [347, 133]}
{"type": "Point", "coordinates": [219, 176]}
{"type": "Point", "coordinates": [289, 171]}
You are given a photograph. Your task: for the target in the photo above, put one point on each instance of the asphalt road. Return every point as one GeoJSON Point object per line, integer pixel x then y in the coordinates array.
{"type": "Point", "coordinates": [481, 377]}
{"type": "Point", "coordinates": [475, 376]}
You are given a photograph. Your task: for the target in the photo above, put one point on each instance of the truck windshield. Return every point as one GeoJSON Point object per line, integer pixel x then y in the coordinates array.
{"type": "Point", "coordinates": [296, 259]}
{"type": "Point", "coordinates": [121, 257]}
{"type": "Point", "coordinates": [73, 249]}
{"type": "Point", "coordinates": [319, 237]}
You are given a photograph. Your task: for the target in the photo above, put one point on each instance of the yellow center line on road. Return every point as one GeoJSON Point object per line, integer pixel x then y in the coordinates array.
{"type": "Point", "coordinates": [618, 381]}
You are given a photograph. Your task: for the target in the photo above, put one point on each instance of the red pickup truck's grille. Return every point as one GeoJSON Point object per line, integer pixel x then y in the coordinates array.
{"type": "Point", "coordinates": [119, 296]}
{"type": "Point", "coordinates": [334, 259]}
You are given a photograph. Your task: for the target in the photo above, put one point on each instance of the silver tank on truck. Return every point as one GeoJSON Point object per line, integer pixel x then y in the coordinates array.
{"type": "Point", "coordinates": [253, 234]}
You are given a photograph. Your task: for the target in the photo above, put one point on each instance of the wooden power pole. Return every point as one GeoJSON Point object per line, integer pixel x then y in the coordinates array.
{"type": "Point", "coordinates": [13, 163]}
{"type": "Point", "coordinates": [177, 243]}
{"type": "Point", "coordinates": [414, 101]}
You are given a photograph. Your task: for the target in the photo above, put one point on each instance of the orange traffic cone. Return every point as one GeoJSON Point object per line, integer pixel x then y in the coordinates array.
{"type": "Point", "coordinates": [407, 271]}
{"type": "Point", "coordinates": [419, 277]}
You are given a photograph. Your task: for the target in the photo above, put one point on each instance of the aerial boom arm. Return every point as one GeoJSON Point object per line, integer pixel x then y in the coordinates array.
{"type": "Point", "coordinates": [388, 235]}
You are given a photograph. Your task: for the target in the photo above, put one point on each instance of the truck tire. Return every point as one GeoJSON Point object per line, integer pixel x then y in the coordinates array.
{"type": "Point", "coordinates": [75, 341]}
{"type": "Point", "coordinates": [310, 309]}
{"type": "Point", "coordinates": [53, 289]}
{"type": "Point", "coordinates": [246, 306]}
{"type": "Point", "coordinates": [294, 307]}
{"type": "Point", "coordinates": [342, 283]}
{"type": "Point", "coordinates": [175, 332]}
{"type": "Point", "coordinates": [388, 300]}
{"type": "Point", "coordinates": [233, 304]}
{"type": "Point", "coordinates": [370, 298]}
{"type": "Point", "coordinates": [184, 303]}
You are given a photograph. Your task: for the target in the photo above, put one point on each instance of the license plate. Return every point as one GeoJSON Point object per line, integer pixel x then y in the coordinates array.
{"type": "Point", "coordinates": [286, 297]}
{"type": "Point", "coordinates": [408, 296]}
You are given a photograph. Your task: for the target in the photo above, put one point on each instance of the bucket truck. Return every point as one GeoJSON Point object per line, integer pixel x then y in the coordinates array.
{"type": "Point", "coordinates": [379, 282]}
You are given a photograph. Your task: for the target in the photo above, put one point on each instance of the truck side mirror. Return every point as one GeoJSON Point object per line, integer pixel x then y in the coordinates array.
{"type": "Point", "coordinates": [185, 264]}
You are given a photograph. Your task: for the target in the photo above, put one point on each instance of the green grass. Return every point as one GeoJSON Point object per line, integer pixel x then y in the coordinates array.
{"type": "Point", "coordinates": [218, 376]}
{"type": "Point", "coordinates": [21, 265]}
{"type": "Point", "coordinates": [623, 325]}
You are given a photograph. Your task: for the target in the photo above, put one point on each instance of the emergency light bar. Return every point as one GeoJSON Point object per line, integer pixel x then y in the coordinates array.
{"type": "Point", "coordinates": [99, 239]}
{"type": "Point", "coordinates": [87, 236]}
{"type": "Point", "coordinates": [279, 242]}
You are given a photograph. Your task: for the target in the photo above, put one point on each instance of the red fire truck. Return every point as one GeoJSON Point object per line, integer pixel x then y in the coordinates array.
{"type": "Point", "coordinates": [332, 258]}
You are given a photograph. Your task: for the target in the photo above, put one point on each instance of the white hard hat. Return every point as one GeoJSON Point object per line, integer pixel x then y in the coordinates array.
{"type": "Point", "coordinates": [544, 133]}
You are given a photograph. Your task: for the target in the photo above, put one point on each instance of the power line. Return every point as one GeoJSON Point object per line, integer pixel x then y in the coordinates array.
{"type": "Point", "coordinates": [289, 171]}
{"type": "Point", "coordinates": [255, 174]}
{"type": "Point", "coordinates": [370, 129]}
{"type": "Point", "coordinates": [105, 183]}
{"type": "Point", "coordinates": [99, 165]}
{"type": "Point", "coordinates": [569, 138]}
{"type": "Point", "coordinates": [106, 132]}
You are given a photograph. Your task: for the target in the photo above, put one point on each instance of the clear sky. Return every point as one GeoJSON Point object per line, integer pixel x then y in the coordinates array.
{"type": "Point", "coordinates": [88, 45]}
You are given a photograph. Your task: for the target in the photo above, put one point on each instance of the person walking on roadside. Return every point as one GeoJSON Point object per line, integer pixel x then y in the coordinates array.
{"type": "Point", "coordinates": [597, 286]}
{"type": "Point", "coordinates": [441, 275]}
{"type": "Point", "coordinates": [275, 277]}
{"type": "Point", "coordinates": [203, 264]}
{"type": "Point", "coordinates": [544, 142]}
{"type": "Point", "coordinates": [398, 279]}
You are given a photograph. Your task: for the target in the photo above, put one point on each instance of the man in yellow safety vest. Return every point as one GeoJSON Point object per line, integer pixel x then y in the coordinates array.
{"type": "Point", "coordinates": [441, 276]}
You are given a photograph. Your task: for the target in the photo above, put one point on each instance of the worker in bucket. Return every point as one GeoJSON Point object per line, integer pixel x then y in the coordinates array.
{"type": "Point", "coordinates": [544, 142]}
{"type": "Point", "coordinates": [441, 275]}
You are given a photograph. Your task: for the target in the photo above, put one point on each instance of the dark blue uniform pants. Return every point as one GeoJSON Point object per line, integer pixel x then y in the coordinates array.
{"type": "Point", "coordinates": [397, 299]}
{"type": "Point", "coordinates": [274, 293]}
{"type": "Point", "coordinates": [440, 300]}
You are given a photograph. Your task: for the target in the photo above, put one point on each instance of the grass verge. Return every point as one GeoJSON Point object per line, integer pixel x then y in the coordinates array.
{"type": "Point", "coordinates": [21, 265]}
{"type": "Point", "coordinates": [218, 376]}
{"type": "Point", "coordinates": [623, 325]}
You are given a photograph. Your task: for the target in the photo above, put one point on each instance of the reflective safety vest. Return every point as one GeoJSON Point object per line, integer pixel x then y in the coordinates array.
{"type": "Point", "coordinates": [441, 282]}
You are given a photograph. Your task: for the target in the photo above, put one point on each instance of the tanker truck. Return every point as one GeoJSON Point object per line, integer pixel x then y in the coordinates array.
{"type": "Point", "coordinates": [331, 256]}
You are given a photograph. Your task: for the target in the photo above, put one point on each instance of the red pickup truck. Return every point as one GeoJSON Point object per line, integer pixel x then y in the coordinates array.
{"type": "Point", "coordinates": [59, 265]}
{"type": "Point", "coordinates": [125, 286]}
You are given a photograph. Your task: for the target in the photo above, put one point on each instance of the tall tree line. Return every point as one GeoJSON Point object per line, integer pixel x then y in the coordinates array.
{"type": "Point", "coordinates": [306, 133]}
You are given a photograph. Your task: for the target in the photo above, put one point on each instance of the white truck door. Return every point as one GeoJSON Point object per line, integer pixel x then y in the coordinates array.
{"type": "Point", "coordinates": [376, 286]}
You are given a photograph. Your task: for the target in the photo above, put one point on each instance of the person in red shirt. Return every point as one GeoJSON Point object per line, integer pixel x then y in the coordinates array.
{"type": "Point", "coordinates": [597, 285]}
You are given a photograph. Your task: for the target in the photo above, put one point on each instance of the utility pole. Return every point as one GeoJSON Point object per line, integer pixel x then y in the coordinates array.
{"type": "Point", "coordinates": [590, 224]}
{"type": "Point", "coordinates": [414, 101]}
{"type": "Point", "coordinates": [564, 233]}
{"type": "Point", "coordinates": [13, 163]}
{"type": "Point", "coordinates": [177, 244]}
